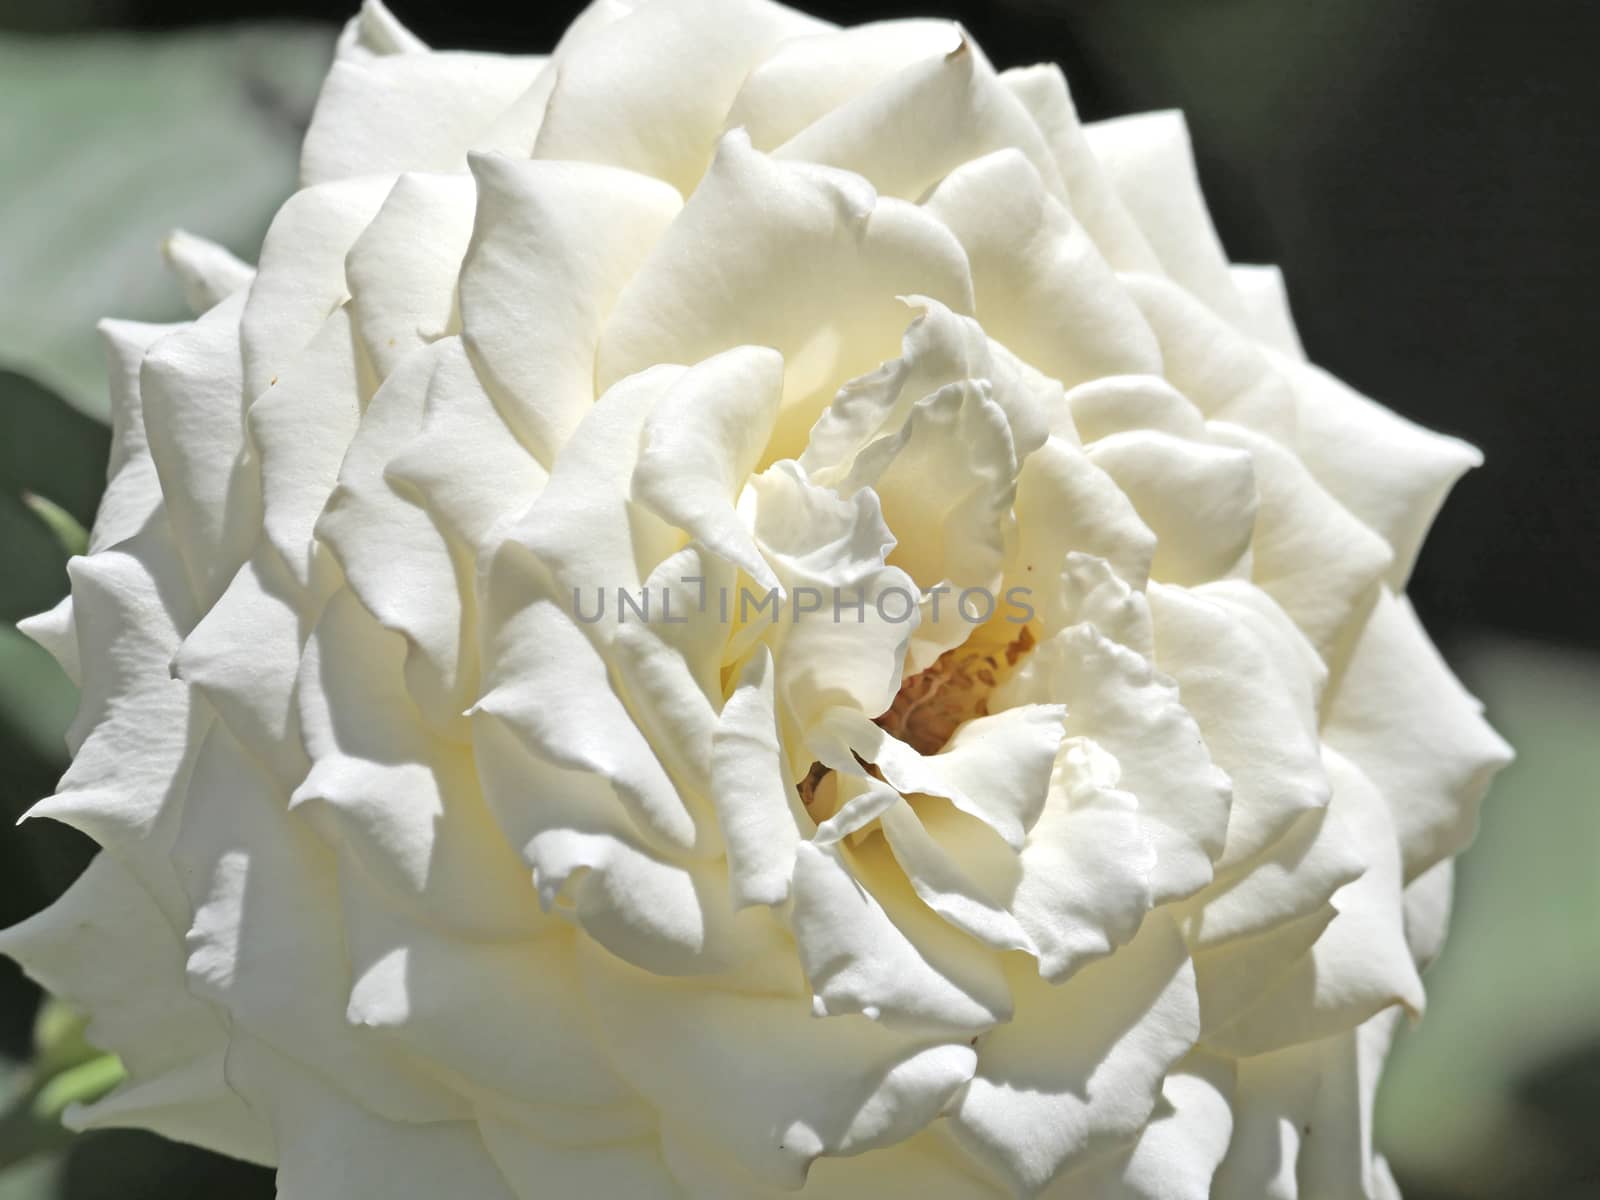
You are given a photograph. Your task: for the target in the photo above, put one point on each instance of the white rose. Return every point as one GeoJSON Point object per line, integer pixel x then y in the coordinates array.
{"type": "Point", "coordinates": [421, 878]}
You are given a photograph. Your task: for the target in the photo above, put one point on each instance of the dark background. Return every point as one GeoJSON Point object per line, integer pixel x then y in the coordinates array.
{"type": "Point", "coordinates": [1425, 172]}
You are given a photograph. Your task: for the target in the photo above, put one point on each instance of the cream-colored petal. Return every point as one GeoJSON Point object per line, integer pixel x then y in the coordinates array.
{"type": "Point", "coordinates": [1042, 287]}
{"type": "Point", "coordinates": [1119, 700]}
{"type": "Point", "coordinates": [407, 980]}
{"type": "Point", "coordinates": [1066, 503]}
{"type": "Point", "coordinates": [1291, 880]}
{"type": "Point", "coordinates": [583, 530]}
{"type": "Point", "coordinates": [805, 78]}
{"type": "Point", "coordinates": [623, 97]}
{"type": "Point", "coordinates": [192, 401]}
{"type": "Point", "coordinates": [393, 555]}
{"type": "Point", "coordinates": [759, 1075]}
{"type": "Point", "coordinates": [1358, 965]}
{"type": "Point", "coordinates": [402, 269]}
{"type": "Point", "coordinates": [1391, 473]}
{"type": "Point", "coordinates": [995, 768]}
{"type": "Point", "coordinates": [1177, 1153]}
{"type": "Point", "coordinates": [244, 655]}
{"type": "Point", "coordinates": [262, 885]}
{"type": "Point", "coordinates": [1426, 748]}
{"type": "Point", "coordinates": [375, 31]}
{"type": "Point", "coordinates": [1257, 726]}
{"type": "Point", "coordinates": [909, 131]}
{"type": "Point", "coordinates": [1308, 553]}
{"type": "Point", "coordinates": [55, 630]}
{"type": "Point", "coordinates": [869, 947]}
{"type": "Point", "coordinates": [756, 805]}
{"type": "Point", "coordinates": [384, 114]}
{"type": "Point", "coordinates": [1091, 194]}
{"type": "Point", "coordinates": [553, 245]}
{"type": "Point", "coordinates": [849, 648]}
{"type": "Point", "coordinates": [1303, 1124]}
{"type": "Point", "coordinates": [1151, 163]}
{"type": "Point", "coordinates": [301, 277]}
{"type": "Point", "coordinates": [927, 1164]}
{"type": "Point", "coordinates": [133, 486]}
{"type": "Point", "coordinates": [1083, 878]}
{"type": "Point", "coordinates": [1427, 911]}
{"type": "Point", "coordinates": [330, 1148]}
{"type": "Point", "coordinates": [464, 466]}
{"type": "Point", "coordinates": [1080, 1068]}
{"type": "Point", "coordinates": [1116, 404]}
{"type": "Point", "coordinates": [844, 256]}
{"type": "Point", "coordinates": [402, 803]}
{"type": "Point", "coordinates": [207, 272]}
{"type": "Point", "coordinates": [106, 947]}
{"type": "Point", "coordinates": [300, 427]}
{"type": "Point", "coordinates": [958, 537]}
{"type": "Point", "coordinates": [1199, 499]}
{"type": "Point", "coordinates": [590, 863]}
{"type": "Point", "coordinates": [1266, 303]}
{"type": "Point", "coordinates": [548, 685]}
{"type": "Point", "coordinates": [701, 441]}
{"type": "Point", "coordinates": [937, 875]}
{"type": "Point", "coordinates": [135, 730]}
{"type": "Point", "coordinates": [1227, 375]}
{"type": "Point", "coordinates": [535, 1168]}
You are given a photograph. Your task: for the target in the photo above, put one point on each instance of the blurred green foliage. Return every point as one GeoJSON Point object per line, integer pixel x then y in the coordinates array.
{"type": "Point", "coordinates": [1497, 1092]}
{"type": "Point", "coordinates": [111, 141]}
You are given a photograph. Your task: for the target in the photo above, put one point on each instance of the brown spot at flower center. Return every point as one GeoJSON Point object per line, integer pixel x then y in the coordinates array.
{"type": "Point", "coordinates": [808, 785]}
{"type": "Point", "coordinates": [932, 703]}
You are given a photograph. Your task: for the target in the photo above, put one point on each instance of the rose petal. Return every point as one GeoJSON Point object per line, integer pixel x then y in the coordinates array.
{"type": "Point", "coordinates": [843, 254]}
{"type": "Point", "coordinates": [383, 114]}
{"type": "Point", "coordinates": [1042, 287]}
{"type": "Point", "coordinates": [1426, 748]}
{"type": "Point", "coordinates": [910, 130]}
{"type": "Point", "coordinates": [1080, 1067]}
{"type": "Point", "coordinates": [552, 247]}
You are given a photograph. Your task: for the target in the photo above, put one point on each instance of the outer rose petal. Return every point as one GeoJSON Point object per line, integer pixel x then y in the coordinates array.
{"type": "Point", "coordinates": [1042, 287]}
{"type": "Point", "coordinates": [764, 1077]}
{"type": "Point", "coordinates": [404, 266]}
{"type": "Point", "coordinates": [805, 78]}
{"type": "Point", "coordinates": [1083, 1070]}
{"type": "Point", "coordinates": [411, 112]}
{"type": "Point", "coordinates": [622, 98]}
{"type": "Point", "coordinates": [1435, 772]}
{"type": "Point", "coordinates": [553, 246]}
{"type": "Point", "coordinates": [1151, 161]}
{"type": "Point", "coordinates": [912, 129]}
{"type": "Point", "coordinates": [107, 947]}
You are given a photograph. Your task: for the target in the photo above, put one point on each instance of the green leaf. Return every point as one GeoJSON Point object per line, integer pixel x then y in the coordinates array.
{"type": "Point", "coordinates": [49, 449]}
{"type": "Point", "coordinates": [66, 1070]}
{"type": "Point", "coordinates": [1512, 1000]}
{"type": "Point", "coordinates": [82, 1084]}
{"type": "Point", "coordinates": [36, 699]}
{"type": "Point", "coordinates": [59, 1038]}
{"type": "Point", "coordinates": [74, 538]}
{"type": "Point", "coordinates": [112, 141]}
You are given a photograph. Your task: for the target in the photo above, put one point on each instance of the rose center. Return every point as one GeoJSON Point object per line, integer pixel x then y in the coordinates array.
{"type": "Point", "coordinates": [932, 703]}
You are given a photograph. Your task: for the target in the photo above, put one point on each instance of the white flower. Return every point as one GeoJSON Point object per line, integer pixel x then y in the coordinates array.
{"type": "Point", "coordinates": [432, 868]}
